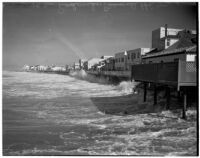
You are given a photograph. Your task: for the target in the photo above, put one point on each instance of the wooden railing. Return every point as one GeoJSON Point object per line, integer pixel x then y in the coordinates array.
{"type": "Point", "coordinates": [187, 74]}
{"type": "Point", "coordinates": [171, 73]}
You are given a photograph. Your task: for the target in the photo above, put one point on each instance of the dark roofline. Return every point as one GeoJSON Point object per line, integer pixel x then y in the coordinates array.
{"type": "Point", "coordinates": [163, 55]}
{"type": "Point", "coordinates": [171, 36]}
{"type": "Point", "coordinates": [191, 49]}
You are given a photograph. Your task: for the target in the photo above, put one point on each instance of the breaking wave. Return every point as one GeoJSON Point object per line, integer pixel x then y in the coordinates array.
{"type": "Point", "coordinates": [88, 77]}
{"type": "Point", "coordinates": [41, 85]}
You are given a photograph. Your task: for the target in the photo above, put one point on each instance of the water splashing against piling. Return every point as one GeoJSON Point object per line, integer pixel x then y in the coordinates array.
{"type": "Point", "coordinates": [50, 114]}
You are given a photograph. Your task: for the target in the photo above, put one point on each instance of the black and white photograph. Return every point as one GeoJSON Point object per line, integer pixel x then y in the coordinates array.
{"type": "Point", "coordinates": [100, 78]}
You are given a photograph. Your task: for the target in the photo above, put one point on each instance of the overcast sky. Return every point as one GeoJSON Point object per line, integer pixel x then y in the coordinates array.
{"type": "Point", "coordinates": [61, 33]}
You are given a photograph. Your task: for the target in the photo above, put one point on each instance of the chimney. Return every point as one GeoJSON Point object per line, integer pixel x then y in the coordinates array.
{"type": "Point", "coordinates": [165, 30]}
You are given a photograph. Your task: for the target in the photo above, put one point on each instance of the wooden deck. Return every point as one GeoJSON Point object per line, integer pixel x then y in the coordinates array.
{"type": "Point", "coordinates": [172, 73]}
{"type": "Point", "coordinates": [177, 74]}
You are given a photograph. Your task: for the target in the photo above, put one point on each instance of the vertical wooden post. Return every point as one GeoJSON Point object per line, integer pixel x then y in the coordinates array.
{"type": "Point", "coordinates": [184, 106]}
{"type": "Point", "coordinates": [167, 98]}
{"type": "Point", "coordinates": [155, 94]}
{"type": "Point", "coordinates": [179, 96]}
{"type": "Point", "coordinates": [145, 91]}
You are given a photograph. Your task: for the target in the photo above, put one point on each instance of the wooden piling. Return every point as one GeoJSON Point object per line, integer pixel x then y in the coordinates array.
{"type": "Point", "coordinates": [168, 98]}
{"type": "Point", "coordinates": [145, 91]}
{"type": "Point", "coordinates": [155, 94]}
{"type": "Point", "coordinates": [184, 106]}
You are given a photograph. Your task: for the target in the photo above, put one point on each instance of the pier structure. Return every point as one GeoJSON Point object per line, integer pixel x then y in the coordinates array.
{"type": "Point", "coordinates": [178, 74]}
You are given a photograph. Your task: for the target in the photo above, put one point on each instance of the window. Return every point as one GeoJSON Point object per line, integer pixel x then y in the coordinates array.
{"type": "Point", "coordinates": [176, 60]}
{"type": "Point", "coordinates": [122, 59]}
{"type": "Point", "coordinates": [190, 57]}
{"type": "Point", "coordinates": [168, 42]}
{"type": "Point", "coordinates": [138, 55]}
{"type": "Point", "coordinates": [128, 56]}
{"type": "Point", "coordinates": [132, 57]}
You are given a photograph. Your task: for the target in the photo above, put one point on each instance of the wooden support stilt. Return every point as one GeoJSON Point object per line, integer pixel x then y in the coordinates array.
{"type": "Point", "coordinates": [167, 98]}
{"type": "Point", "coordinates": [184, 106]}
{"type": "Point", "coordinates": [179, 96]}
{"type": "Point", "coordinates": [155, 95]}
{"type": "Point", "coordinates": [145, 91]}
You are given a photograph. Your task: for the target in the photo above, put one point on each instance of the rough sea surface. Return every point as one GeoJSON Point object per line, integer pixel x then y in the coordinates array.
{"type": "Point", "coordinates": [51, 114]}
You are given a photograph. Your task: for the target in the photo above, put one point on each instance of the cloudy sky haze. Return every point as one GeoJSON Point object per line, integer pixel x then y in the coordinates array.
{"type": "Point", "coordinates": [61, 33]}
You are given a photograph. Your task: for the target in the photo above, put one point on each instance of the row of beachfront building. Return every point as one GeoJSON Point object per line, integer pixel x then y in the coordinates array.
{"type": "Point", "coordinates": [168, 45]}
{"type": "Point", "coordinates": [45, 68]}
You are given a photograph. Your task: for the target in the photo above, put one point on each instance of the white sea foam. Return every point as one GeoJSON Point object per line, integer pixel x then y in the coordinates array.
{"type": "Point", "coordinates": [40, 85]}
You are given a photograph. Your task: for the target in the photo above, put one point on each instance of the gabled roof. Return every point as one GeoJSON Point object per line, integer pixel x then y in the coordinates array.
{"type": "Point", "coordinates": [185, 44]}
{"type": "Point", "coordinates": [191, 49]}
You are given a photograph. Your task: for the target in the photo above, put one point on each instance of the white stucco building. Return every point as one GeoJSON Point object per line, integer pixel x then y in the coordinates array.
{"type": "Point", "coordinates": [121, 61]}
{"type": "Point", "coordinates": [164, 37]}
{"type": "Point", "coordinates": [135, 56]}
{"type": "Point", "coordinates": [91, 62]}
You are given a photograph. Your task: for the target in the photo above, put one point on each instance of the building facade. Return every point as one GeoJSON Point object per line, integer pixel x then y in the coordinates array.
{"type": "Point", "coordinates": [76, 66]}
{"type": "Point", "coordinates": [91, 62]}
{"type": "Point", "coordinates": [81, 62]}
{"type": "Point", "coordinates": [121, 61]}
{"type": "Point", "coordinates": [110, 64]}
{"type": "Point", "coordinates": [106, 57]}
{"type": "Point", "coordinates": [185, 49]}
{"type": "Point", "coordinates": [164, 37]}
{"type": "Point", "coordinates": [135, 56]}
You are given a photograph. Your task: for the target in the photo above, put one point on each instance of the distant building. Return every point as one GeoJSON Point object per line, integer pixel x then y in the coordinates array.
{"type": "Point", "coordinates": [134, 56]}
{"type": "Point", "coordinates": [58, 68]}
{"type": "Point", "coordinates": [81, 62]}
{"type": "Point", "coordinates": [106, 57]}
{"type": "Point", "coordinates": [42, 68]}
{"type": "Point", "coordinates": [26, 67]}
{"type": "Point", "coordinates": [121, 61]}
{"type": "Point", "coordinates": [91, 62]}
{"type": "Point", "coordinates": [184, 49]}
{"type": "Point", "coordinates": [76, 66]}
{"type": "Point", "coordinates": [109, 64]}
{"type": "Point", "coordinates": [32, 67]}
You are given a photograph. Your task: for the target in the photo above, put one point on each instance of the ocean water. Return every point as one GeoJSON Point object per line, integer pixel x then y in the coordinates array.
{"type": "Point", "coordinates": [51, 114]}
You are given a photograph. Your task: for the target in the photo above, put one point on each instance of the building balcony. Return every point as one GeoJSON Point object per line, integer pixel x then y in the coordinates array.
{"type": "Point", "coordinates": [176, 74]}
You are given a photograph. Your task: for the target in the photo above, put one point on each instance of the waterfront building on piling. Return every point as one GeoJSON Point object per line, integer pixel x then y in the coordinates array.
{"type": "Point", "coordinates": [184, 49]}
{"type": "Point", "coordinates": [91, 62]}
{"type": "Point", "coordinates": [174, 67]}
{"type": "Point", "coordinates": [135, 56]}
{"type": "Point", "coordinates": [58, 68]}
{"type": "Point", "coordinates": [76, 66]}
{"type": "Point", "coordinates": [106, 56]}
{"type": "Point", "coordinates": [103, 64]}
{"type": "Point", "coordinates": [42, 68]}
{"type": "Point", "coordinates": [81, 63]}
{"type": "Point", "coordinates": [121, 61]}
{"type": "Point", "coordinates": [109, 64]}
{"type": "Point", "coordinates": [26, 67]}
